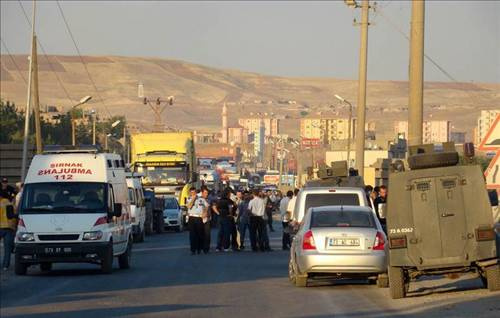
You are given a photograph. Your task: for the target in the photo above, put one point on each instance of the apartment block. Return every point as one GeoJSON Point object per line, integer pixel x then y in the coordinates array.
{"type": "Point", "coordinates": [432, 130]}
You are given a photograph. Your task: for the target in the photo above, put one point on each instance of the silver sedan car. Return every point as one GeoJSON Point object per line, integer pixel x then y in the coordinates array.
{"type": "Point", "coordinates": [339, 242]}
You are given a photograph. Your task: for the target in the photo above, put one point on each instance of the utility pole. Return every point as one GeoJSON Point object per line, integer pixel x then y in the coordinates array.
{"type": "Point", "coordinates": [93, 127]}
{"type": "Point", "coordinates": [36, 98]}
{"type": "Point", "coordinates": [28, 103]}
{"type": "Point", "coordinates": [156, 107]}
{"type": "Point", "coordinates": [416, 82]}
{"type": "Point", "coordinates": [361, 111]}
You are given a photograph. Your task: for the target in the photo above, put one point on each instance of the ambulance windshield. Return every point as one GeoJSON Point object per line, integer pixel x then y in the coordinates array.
{"type": "Point", "coordinates": [64, 197]}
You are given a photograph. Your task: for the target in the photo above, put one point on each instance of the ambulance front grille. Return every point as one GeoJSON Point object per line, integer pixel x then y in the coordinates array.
{"type": "Point", "coordinates": [58, 237]}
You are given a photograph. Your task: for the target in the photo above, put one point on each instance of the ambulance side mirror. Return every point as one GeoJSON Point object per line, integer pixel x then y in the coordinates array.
{"type": "Point", "coordinates": [10, 212]}
{"type": "Point", "coordinates": [117, 210]}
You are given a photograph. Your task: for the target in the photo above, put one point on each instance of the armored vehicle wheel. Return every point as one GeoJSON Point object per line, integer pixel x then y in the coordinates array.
{"type": "Point", "coordinates": [397, 284]}
{"type": "Point", "coordinates": [45, 267]}
{"type": "Point", "coordinates": [433, 160]}
{"type": "Point", "coordinates": [382, 281]}
{"type": "Point", "coordinates": [493, 277]}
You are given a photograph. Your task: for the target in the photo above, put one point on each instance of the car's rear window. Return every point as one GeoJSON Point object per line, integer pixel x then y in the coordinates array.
{"type": "Point", "coordinates": [314, 200]}
{"type": "Point", "coordinates": [344, 218]}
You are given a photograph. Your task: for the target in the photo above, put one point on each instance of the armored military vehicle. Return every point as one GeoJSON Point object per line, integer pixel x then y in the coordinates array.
{"type": "Point", "coordinates": [439, 220]}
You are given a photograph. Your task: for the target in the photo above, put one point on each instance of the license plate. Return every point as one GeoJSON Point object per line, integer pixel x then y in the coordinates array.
{"type": "Point", "coordinates": [57, 250]}
{"type": "Point", "coordinates": [343, 242]}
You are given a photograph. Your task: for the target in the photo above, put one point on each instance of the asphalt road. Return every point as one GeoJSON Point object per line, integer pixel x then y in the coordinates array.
{"type": "Point", "coordinates": [166, 281]}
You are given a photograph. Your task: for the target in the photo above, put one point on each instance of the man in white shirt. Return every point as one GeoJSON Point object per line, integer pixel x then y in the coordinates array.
{"type": "Point", "coordinates": [197, 210]}
{"type": "Point", "coordinates": [291, 204]}
{"type": "Point", "coordinates": [257, 208]}
{"type": "Point", "coordinates": [285, 218]}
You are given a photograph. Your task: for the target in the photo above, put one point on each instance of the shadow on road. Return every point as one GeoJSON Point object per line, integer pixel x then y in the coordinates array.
{"type": "Point", "coordinates": [118, 311]}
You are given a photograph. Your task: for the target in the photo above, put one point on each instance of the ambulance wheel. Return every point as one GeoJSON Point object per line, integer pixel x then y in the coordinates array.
{"type": "Point", "coordinates": [397, 287]}
{"type": "Point", "coordinates": [382, 281]}
{"type": "Point", "coordinates": [493, 278]}
{"type": "Point", "coordinates": [45, 267]}
{"type": "Point", "coordinates": [107, 260]}
{"type": "Point", "coordinates": [20, 268]}
{"type": "Point", "coordinates": [125, 258]}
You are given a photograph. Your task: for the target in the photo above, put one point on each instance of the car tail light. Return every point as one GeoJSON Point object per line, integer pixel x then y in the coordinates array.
{"type": "Point", "coordinates": [308, 242]}
{"type": "Point", "coordinates": [485, 234]}
{"type": "Point", "coordinates": [21, 223]}
{"type": "Point", "coordinates": [101, 220]}
{"type": "Point", "coordinates": [397, 242]}
{"type": "Point", "coordinates": [379, 242]}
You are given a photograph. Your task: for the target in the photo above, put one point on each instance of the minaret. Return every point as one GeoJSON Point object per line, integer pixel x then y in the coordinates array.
{"type": "Point", "coordinates": [224, 138]}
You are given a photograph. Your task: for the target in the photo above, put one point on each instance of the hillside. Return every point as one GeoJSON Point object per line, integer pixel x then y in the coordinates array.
{"type": "Point", "coordinates": [200, 91]}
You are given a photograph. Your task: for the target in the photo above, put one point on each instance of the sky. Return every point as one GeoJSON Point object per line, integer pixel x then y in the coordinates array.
{"type": "Point", "coordinates": [283, 38]}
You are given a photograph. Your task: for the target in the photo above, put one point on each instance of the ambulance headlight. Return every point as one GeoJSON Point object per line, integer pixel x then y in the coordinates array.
{"type": "Point", "coordinates": [92, 236]}
{"type": "Point", "coordinates": [25, 237]}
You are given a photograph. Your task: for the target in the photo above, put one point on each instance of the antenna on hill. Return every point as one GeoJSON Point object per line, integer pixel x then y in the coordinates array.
{"type": "Point", "coordinates": [156, 107]}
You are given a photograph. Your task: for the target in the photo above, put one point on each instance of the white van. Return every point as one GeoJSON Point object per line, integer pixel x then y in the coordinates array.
{"type": "Point", "coordinates": [313, 197]}
{"type": "Point", "coordinates": [74, 208]}
{"type": "Point", "coordinates": [137, 206]}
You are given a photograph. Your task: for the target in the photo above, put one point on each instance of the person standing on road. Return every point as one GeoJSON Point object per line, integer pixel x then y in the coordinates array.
{"type": "Point", "coordinates": [8, 191]}
{"type": "Point", "coordinates": [381, 199]}
{"type": "Point", "coordinates": [257, 207]}
{"type": "Point", "coordinates": [196, 207]}
{"type": "Point", "coordinates": [285, 219]}
{"type": "Point", "coordinates": [225, 209]}
{"type": "Point", "coordinates": [205, 218]}
{"type": "Point", "coordinates": [8, 225]}
{"type": "Point", "coordinates": [243, 220]}
{"type": "Point", "coordinates": [291, 205]}
{"type": "Point", "coordinates": [269, 209]}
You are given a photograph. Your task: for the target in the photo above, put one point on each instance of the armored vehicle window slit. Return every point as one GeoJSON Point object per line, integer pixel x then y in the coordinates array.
{"type": "Point", "coordinates": [423, 186]}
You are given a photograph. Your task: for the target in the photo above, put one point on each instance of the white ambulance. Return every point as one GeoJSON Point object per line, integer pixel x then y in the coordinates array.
{"type": "Point", "coordinates": [137, 206]}
{"type": "Point", "coordinates": [74, 208]}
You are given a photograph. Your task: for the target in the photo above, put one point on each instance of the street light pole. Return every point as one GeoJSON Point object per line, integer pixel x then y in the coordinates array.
{"type": "Point", "coordinates": [93, 127]}
{"type": "Point", "coordinates": [73, 128]}
{"type": "Point", "coordinates": [349, 130]}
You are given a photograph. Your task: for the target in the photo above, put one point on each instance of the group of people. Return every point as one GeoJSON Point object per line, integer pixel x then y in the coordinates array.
{"type": "Point", "coordinates": [9, 197]}
{"type": "Point", "coordinates": [377, 195]}
{"type": "Point", "coordinates": [235, 213]}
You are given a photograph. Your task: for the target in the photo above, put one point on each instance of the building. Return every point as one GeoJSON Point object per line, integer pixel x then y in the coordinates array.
{"type": "Point", "coordinates": [253, 125]}
{"type": "Point", "coordinates": [458, 137]}
{"type": "Point", "coordinates": [432, 130]}
{"type": "Point", "coordinates": [484, 122]}
{"type": "Point", "coordinates": [237, 135]}
{"type": "Point", "coordinates": [224, 131]}
{"type": "Point", "coordinates": [326, 130]}
{"type": "Point", "coordinates": [258, 142]}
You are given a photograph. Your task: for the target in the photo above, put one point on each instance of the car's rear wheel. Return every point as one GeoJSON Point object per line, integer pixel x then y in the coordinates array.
{"type": "Point", "coordinates": [124, 260]}
{"type": "Point", "coordinates": [493, 278]}
{"type": "Point", "coordinates": [45, 267]}
{"type": "Point", "coordinates": [300, 280]}
{"type": "Point", "coordinates": [20, 268]}
{"type": "Point", "coordinates": [397, 286]}
{"type": "Point", "coordinates": [291, 272]}
{"type": "Point", "coordinates": [382, 281]}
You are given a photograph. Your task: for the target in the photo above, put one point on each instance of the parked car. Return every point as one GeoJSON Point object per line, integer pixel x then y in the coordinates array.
{"type": "Point", "coordinates": [311, 197]}
{"type": "Point", "coordinates": [339, 242]}
{"type": "Point", "coordinates": [172, 214]}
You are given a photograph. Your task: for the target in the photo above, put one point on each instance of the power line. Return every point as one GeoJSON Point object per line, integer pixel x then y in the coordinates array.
{"type": "Point", "coordinates": [81, 58]}
{"type": "Point", "coordinates": [14, 61]}
{"type": "Point", "coordinates": [72, 101]}
{"type": "Point", "coordinates": [425, 55]}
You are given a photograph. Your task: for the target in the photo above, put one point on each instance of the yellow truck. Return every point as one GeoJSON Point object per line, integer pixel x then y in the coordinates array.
{"type": "Point", "coordinates": [167, 162]}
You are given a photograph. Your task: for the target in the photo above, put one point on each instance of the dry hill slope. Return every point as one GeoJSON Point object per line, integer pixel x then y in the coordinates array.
{"type": "Point", "coordinates": [200, 90]}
